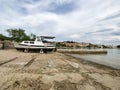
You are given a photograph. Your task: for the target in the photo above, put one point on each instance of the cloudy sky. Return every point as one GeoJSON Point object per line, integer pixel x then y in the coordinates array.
{"type": "Point", "coordinates": [95, 21]}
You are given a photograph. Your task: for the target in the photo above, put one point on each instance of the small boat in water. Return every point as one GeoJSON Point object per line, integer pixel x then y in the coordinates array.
{"type": "Point", "coordinates": [40, 44]}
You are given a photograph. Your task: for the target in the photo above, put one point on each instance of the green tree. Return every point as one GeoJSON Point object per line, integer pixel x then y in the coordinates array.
{"type": "Point", "coordinates": [18, 34]}
{"type": "Point", "coordinates": [2, 37]}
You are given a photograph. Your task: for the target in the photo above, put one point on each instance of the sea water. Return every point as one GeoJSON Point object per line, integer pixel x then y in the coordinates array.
{"type": "Point", "coordinates": [112, 58]}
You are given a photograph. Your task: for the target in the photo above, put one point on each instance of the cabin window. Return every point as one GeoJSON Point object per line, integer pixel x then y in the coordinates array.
{"type": "Point", "coordinates": [25, 42]}
{"type": "Point", "coordinates": [31, 42]}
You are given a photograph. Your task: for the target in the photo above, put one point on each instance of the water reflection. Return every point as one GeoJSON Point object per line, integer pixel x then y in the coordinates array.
{"type": "Point", "coordinates": [111, 59]}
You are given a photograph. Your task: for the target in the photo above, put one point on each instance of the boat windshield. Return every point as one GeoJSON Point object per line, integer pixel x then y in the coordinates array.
{"type": "Point", "coordinates": [38, 39]}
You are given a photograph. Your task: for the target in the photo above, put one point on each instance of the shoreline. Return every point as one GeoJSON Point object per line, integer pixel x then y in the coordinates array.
{"type": "Point", "coordinates": [84, 61]}
{"type": "Point", "coordinates": [54, 71]}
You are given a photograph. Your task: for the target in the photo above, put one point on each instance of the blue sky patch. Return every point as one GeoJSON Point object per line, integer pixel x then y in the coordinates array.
{"type": "Point", "coordinates": [62, 8]}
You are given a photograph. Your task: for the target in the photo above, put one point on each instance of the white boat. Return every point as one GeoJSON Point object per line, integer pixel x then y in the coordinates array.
{"type": "Point", "coordinates": [40, 44]}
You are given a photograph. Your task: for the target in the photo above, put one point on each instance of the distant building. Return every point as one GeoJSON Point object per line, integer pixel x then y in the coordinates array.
{"type": "Point", "coordinates": [83, 44]}
{"type": "Point", "coordinates": [74, 44]}
{"type": "Point", "coordinates": [6, 44]}
{"type": "Point", "coordinates": [71, 44]}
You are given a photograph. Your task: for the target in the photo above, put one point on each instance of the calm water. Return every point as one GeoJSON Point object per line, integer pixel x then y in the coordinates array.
{"type": "Point", "coordinates": [111, 59]}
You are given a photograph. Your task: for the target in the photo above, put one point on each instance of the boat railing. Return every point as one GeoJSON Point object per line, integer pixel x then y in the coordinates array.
{"type": "Point", "coordinates": [50, 44]}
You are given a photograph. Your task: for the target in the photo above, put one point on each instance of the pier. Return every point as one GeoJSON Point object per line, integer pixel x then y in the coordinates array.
{"type": "Point", "coordinates": [83, 51]}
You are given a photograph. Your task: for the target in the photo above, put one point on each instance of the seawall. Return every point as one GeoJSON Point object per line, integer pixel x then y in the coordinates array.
{"type": "Point", "coordinates": [83, 51]}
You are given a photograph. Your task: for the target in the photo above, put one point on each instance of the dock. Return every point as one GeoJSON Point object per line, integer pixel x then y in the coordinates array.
{"type": "Point", "coordinates": [83, 51]}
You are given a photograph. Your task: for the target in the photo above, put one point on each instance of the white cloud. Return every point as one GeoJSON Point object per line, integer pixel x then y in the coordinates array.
{"type": "Point", "coordinates": [86, 16]}
{"type": "Point", "coordinates": [75, 36]}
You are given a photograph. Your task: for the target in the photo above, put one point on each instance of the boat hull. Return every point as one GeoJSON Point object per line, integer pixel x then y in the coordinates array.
{"type": "Point", "coordinates": [42, 49]}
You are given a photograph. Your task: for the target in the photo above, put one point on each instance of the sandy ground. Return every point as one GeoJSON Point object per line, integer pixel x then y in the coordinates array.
{"type": "Point", "coordinates": [53, 71]}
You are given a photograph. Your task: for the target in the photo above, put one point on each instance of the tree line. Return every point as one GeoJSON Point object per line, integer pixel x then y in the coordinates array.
{"type": "Point", "coordinates": [17, 35]}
